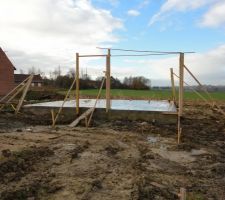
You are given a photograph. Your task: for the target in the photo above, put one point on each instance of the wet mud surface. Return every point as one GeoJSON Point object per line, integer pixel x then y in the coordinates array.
{"type": "Point", "coordinates": [114, 160]}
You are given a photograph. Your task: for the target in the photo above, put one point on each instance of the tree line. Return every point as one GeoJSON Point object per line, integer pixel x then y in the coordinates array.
{"type": "Point", "coordinates": [56, 79]}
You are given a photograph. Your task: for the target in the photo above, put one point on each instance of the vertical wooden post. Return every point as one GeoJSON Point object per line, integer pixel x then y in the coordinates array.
{"type": "Point", "coordinates": [108, 80]}
{"type": "Point", "coordinates": [173, 85]}
{"type": "Point", "coordinates": [181, 84]}
{"type": "Point", "coordinates": [77, 84]}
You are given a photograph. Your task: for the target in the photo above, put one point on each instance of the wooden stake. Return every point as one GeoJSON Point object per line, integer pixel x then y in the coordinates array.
{"type": "Point", "coordinates": [181, 84]}
{"type": "Point", "coordinates": [99, 93]}
{"type": "Point", "coordinates": [24, 93]}
{"type": "Point", "coordinates": [83, 116]}
{"type": "Point", "coordinates": [173, 85]}
{"type": "Point", "coordinates": [53, 117]}
{"type": "Point", "coordinates": [77, 85]}
{"type": "Point", "coordinates": [193, 90]}
{"type": "Point", "coordinates": [199, 83]}
{"type": "Point", "coordinates": [179, 129]}
{"type": "Point", "coordinates": [60, 109]}
{"type": "Point", "coordinates": [108, 81]}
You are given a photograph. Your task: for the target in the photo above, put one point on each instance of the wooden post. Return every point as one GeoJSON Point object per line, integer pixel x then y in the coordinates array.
{"type": "Point", "coordinates": [108, 80]}
{"type": "Point", "coordinates": [181, 84]}
{"type": "Point", "coordinates": [173, 85]}
{"type": "Point", "coordinates": [77, 84]}
{"type": "Point", "coordinates": [53, 117]}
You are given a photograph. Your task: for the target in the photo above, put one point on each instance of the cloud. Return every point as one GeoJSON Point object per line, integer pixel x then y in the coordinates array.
{"type": "Point", "coordinates": [215, 17]}
{"type": "Point", "coordinates": [208, 67]}
{"type": "Point", "coordinates": [178, 5]}
{"type": "Point", "coordinates": [48, 33]}
{"type": "Point", "coordinates": [143, 4]}
{"type": "Point", "coordinates": [133, 13]}
{"type": "Point", "coordinates": [114, 2]}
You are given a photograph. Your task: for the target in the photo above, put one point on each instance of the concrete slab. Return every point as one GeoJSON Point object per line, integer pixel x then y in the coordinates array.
{"type": "Point", "coordinates": [129, 105]}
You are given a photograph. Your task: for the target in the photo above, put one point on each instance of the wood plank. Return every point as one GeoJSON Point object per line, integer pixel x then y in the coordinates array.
{"type": "Point", "coordinates": [77, 85]}
{"type": "Point", "coordinates": [181, 84]}
{"type": "Point", "coordinates": [13, 90]}
{"type": "Point", "coordinates": [24, 93]}
{"type": "Point", "coordinates": [192, 88]}
{"type": "Point", "coordinates": [99, 93]}
{"type": "Point", "coordinates": [173, 85]}
{"type": "Point", "coordinates": [64, 101]}
{"type": "Point", "coordinates": [203, 87]}
{"type": "Point", "coordinates": [9, 101]}
{"type": "Point", "coordinates": [83, 116]}
{"type": "Point", "coordinates": [108, 81]}
{"type": "Point", "coordinates": [83, 56]}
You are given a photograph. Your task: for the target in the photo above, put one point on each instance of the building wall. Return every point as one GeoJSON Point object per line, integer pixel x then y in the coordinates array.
{"type": "Point", "coordinates": [6, 79]}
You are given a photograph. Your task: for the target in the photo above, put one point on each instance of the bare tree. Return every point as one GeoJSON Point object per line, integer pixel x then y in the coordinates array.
{"type": "Point", "coordinates": [71, 73]}
{"type": "Point", "coordinates": [32, 70]}
{"type": "Point", "coordinates": [21, 71]}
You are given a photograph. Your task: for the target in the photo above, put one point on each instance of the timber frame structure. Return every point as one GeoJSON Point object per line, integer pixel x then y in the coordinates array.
{"type": "Point", "coordinates": [178, 102]}
{"type": "Point", "coordinates": [108, 74]}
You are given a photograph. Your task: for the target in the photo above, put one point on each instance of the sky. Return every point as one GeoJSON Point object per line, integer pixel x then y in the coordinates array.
{"type": "Point", "coordinates": [46, 34]}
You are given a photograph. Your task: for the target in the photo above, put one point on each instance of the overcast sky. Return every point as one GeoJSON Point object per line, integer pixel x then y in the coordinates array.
{"type": "Point", "coordinates": [48, 33]}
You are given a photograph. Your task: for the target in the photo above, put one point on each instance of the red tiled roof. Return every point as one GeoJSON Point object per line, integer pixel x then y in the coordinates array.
{"type": "Point", "coordinates": [4, 60]}
{"type": "Point", "coordinates": [21, 77]}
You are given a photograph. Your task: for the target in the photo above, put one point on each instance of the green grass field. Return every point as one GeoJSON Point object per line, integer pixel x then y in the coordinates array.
{"type": "Point", "coordinates": [147, 94]}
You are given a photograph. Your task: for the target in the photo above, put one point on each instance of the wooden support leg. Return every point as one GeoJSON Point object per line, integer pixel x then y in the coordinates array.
{"type": "Point", "coordinates": [181, 84]}
{"type": "Point", "coordinates": [53, 118]}
{"type": "Point", "coordinates": [64, 101]}
{"type": "Point", "coordinates": [108, 80]}
{"type": "Point", "coordinates": [77, 85]}
{"type": "Point", "coordinates": [173, 85]}
{"type": "Point", "coordinates": [24, 93]}
{"type": "Point", "coordinates": [179, 129]}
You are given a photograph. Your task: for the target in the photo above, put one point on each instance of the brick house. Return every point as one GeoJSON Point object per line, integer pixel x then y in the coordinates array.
{"type": "Point", "coordinates": [36, 82]}
{"type": "Point", "coordinates": [6, 74]}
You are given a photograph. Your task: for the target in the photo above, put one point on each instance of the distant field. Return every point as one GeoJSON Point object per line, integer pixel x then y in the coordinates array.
{"type": "Point", "coordinates": [147, 94]}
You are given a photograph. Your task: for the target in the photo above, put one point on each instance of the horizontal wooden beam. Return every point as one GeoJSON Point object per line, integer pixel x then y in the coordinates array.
{"type": "Point", "coordinates": [83, 56]}
{"type": "Point", "coordinates": [145, 51]}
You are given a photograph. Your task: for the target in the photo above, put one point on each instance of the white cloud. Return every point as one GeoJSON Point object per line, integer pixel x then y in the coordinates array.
{"type": "Point", "coordinates": [215, 16]}
{"type": "Point", "coordinates": [143, 4]}
{"type": "Point", "coordinates": [114, 2]}
{"type": "Point", "coordinates": [47, 33]}
{"type": "Point", "coordinates": [133, 13]}
{"type": "Point", "coordinates": [178, 5]}
{"type": "Point", "coordinates": [209, 67]}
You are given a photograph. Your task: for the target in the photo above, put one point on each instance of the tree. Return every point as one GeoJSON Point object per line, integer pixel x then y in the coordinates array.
{"type": "Point", "coordinates": [71, 73]}
{"type": "Point", "coordinates": [32, 70]}
{"type": "Point", "coordinates": [137, 83]}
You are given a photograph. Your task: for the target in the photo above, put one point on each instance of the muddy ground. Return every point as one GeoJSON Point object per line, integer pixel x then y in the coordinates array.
{"type": "Point", "coordinates": [114, 160]}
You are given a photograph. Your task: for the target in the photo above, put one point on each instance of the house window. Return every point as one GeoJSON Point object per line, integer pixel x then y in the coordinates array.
{"type": "Point", "coordinates": [32, 84]}
{"type": "Point", "coordinates": [39, 84]}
